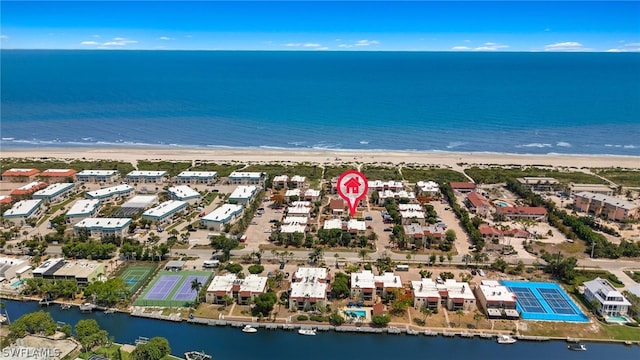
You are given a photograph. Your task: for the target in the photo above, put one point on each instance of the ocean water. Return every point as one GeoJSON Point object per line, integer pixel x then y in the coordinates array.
{"type": "Point", "coordinates": [570, 103]}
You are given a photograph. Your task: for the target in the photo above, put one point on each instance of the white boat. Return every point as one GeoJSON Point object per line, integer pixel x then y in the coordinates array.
{"type": "Point", "coordinates": [577, 347]}
{"type": "Point", "coordinates": [249, 329]}
{"type": "Point", "coordinates": [197, 355]}
{"type": "Point", "coordinates": [110, 311]}
{"type": "Point", "coordinates": [308, 332]}
{"type": "Point", "coordinates": [506, 339]}
{"type": "Point", "coordinates": [65, 307]}
{"type": "Point", "coordinates": [87, 307]}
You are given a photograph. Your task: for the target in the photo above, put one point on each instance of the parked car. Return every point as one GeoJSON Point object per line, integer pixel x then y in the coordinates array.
{"type": "Point", "coordinates": [368, 218]}
{"type": "Point", "coordinates": [388, 229]}
{"type": "Point", "coordinates": [281, 265]}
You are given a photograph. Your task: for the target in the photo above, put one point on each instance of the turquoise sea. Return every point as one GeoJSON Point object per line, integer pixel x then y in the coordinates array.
{"type": "Point", "coordinates": [575, 103]}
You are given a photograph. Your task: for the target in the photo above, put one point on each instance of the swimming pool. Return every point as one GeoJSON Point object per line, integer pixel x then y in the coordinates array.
{"type": "Point", "coordinates": [356, 313]}
{"type": "Point", "coordinates": [17, 284]}
{"type": "Point", "coordinates": [501, 203]}
{"type": "Point", "coordinates": [544, 301]}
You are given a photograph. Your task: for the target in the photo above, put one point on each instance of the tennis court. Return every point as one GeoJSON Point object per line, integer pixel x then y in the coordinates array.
{"type": "Point", "coordinates": [135, 276]}
{"type": "Point", "coordinates": [544, 301]}
{"type": "Point", "coordinates": [170, 288]}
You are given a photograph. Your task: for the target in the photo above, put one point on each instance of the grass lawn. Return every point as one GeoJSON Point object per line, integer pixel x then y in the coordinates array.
{"type": "Point", "coordinates": [621, 332]}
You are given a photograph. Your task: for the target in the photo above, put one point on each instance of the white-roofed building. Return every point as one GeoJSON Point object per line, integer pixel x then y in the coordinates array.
{"type": "Point", "coordinates": [243, 194]}
{"type": "Point", "coordinates": [331, 224]}
{"type": "Point", "coordinates": [98, 176]}
{"type": "Point", "coordinates": [83, 272]}
{"type": "Point", "coordinates": [225, 214]}
{"type": "Point", "coordinates": [590, 188]}
{"type": "Point", "coordinates": [299, 208]}
{"type": "Point", "coordinates": [293, 194]}
{"type": "Point", "coordinates": [11, 267]}
{"type": "Point", "coordinates": [417, 231]}
{"type": "Point", "coordinates": [426, 293]}
{"type": "Point", "coordinates": [293, 228]}
{"type": "Point", "coordinates": [48, 268]}
{"type": "Point", "coordinates": [397, 195]}
{"type": "Point", "coordinates": [247, 178]}
{"type": "Point", "coordinates": [312, 195]}
{"type": "Point", "coordinates": [81, 209]}
{"type": "Point", "coordinates": [114, 193]}
{"type": "Point", "coordinates": [492, 295]}
{"type": "Point", "coordinates": [54, 192]}
{"type": "Point", "coordinates": [379, 185]}
{"type": "Point", "coordinates": [165, 212]}
{"type": "Point", "coordinates": [147, 177]}
{"type": "Point", "coordinates": [197, 177]}
{"type": "Point", "coordinates": [309, 287]}
{"type": "Point", "coordinates": [99, 227]}
{"type": "Point", "coordinates": [298, 181]}
{"type": "Point", "coordinates": [281, 181]}
{"type": "Point", "coordinates": [242, 290]}
{"type": "Point", "coordinates": [356, 226]}
{"type": "Point", "coordinates": [26, 191]}
{"type": "Point", "coordinates": [459, 296]}
{"type": "Point", "coordinates": [609, 206]}
{"type": "Point", "coordinates": [611, 301]}
{"type": "Point", "coordinates": [184, 193]}
{"type": "Point", "coordinates": [23, 210]}
{"type": "Point", "coordinates": [538, 183]}
{"type": "Point", "coordinates": [428, 188]}
{"type": "Point", "coordinates": [412, 216]}
{"type": "Point", "coordinates": [302, 220]}
{"type": "Point", "coordinates": [365, 285]}
{"type": "Point", "coordinates": [141, 202]}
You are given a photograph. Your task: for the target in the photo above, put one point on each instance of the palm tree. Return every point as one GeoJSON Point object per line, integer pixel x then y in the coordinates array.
{"type": "Point", "coordinates": [449, 258]}
{"type": "Point", "coordinates": [196, 285]}
{"type": "Point", "coordinates": [459, 313]}
{"type": "Point", "coordinates": [466, 258]}
{"type": "Point", "coordinates": [426, 312]}
{"type": "Point", "coordinates": [363, 254]}
{"type": "Point", "coordinates": [477, 317]}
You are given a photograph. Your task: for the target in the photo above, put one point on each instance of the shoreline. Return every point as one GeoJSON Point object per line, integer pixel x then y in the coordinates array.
{"type": "Point", "coordinates": [395, 157]}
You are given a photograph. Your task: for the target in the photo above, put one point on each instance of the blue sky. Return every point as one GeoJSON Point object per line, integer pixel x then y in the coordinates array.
{"type": "Point", "coordinates": [314, 26]}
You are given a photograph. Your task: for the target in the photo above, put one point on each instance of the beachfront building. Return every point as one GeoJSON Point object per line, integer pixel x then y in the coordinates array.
{"type": "Point", "coordinates": [309, 287]}
{"type": "Point", "coordinates": [383, 195]}
{"type": "Point", "coordinates": [197, 177]}
{"type": "Point", "coordinates": [26, 191]}
{"type": "Point", "coordinates": [146, 177]}
{"type": "Point", "coordinates": [538, 184]}
{"type": "Point", "coordinates": [58, 175]}
{"type": "Point", "coordinates": [165, 212]}
{"type": "Point", "coordinates": [11, 267]}
{"type": "Point", "coordinates": [225, 214]}
{"type": "Point", "coordinates": [459, 296]}
{"type": "Point", "coordinates": [241, 290]}
{"type": "Point", "coordinates": [23, 210]}
{"type": "Point", "coordinates": [48, 268]}
{"type": "Point", "coordinates": [312, 195]}
{"type": "Point", "coordinates": [379, 185]}
{"type": "Point", "coordinates": [100, 227]}
{"type": "Point", "coordinates": [427, 188]}
{"type": "Point", "coordinates": [280, 182]}
{"type": "Point", "coordinates": [20, 175]}
{"type": "Point", "coordinates": [113, 193]}
{"type": "Point", "coordinates": [82, 209]}
{"type": "Point", "coordinates": [247, 178]}
{"type": "Point", "coordinates": [463, 187]}
{"type": "Point", "coordinates": [54, 192]}
{"type": "Point", "coordinates": [610, 301]}
{"type": "Point", "coordinates": [365, 286]}
{"type": "Point", "coordinates": [297, 182]}
{"type": "Point", "coordinates": [536, 213]}
{"type": "Point", "coordinates": [83, 272]}
{"type": "Point", "coordinates": [590, 188]}
{"type": "Point", "coordinates": [184, 193]}
{"type": "Point", "coordinates": [98, 176]}
{"type": "Point", "coordinates": [607, 206]}
{"type": "Point", "coordinates": [243, 194]}
{"type": "Point", "coordinates": [478, 204]}
{"type": "Point", "coordinates": [493, 298]}
{"type": "Point", "coordinates": [426, 294]}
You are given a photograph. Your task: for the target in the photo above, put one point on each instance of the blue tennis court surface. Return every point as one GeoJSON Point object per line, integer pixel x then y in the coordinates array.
{"type": "Point", "coordinates": [544, 301]}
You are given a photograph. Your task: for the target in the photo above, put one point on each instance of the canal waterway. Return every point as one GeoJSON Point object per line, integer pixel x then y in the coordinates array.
{"type": "Point", "coordinates": [227, 343]}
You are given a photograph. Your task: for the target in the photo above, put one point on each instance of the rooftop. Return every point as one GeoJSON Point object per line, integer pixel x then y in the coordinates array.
{"type": "Point", "coordinates": [610, 200]}
{"type": "Point", "coordinates": [58, 172]}
{"type": "Point", "coordinates": [425, 288]}
{"type": "Point", "coordinates": [495, 292]}
{"type": "Point", "coordinates": [252, 283]}
{"type": "Point", "coordinates": [98, 172]}
{"type": "Point", "coordinates": [224, 213]}
{"type": "Point", "coordinates": [310, 274]}
{"type": "Point", "coordinates": [103, 223]}
{"type": "Point", "coordinates": [183, 192]}
{"type": "Point", "coordinates": [83, 207]}
{"type": "Point", "coordinates": [20, 172]}
{"type": "Point", "coordinates": [146, 173]}
{"type": "Point", "coordinates": [244, 174]}
{"type": "Point", "coordinates": [29, 188]}
{"type": "Point", "coordinates": [141, 201]}
{"type": "Point", "coordinates": [80, 269]}
{"type": "Point", "coordinates": [462, 185]}
{"type": "Point", "coordinates": [243, 192]}
{"type": "Point", "coordinates": [198, 174]}
{"type": "Point", "coordinates": [166, 208]}
{"type": "Point", "coordinates": [46, 265]}
{"type": "Point", "coordinates": [23, 208]}
{"type": "Point", "coordinates": [54, 189]}
{"type": "Point", "coordinates": [109, 191]}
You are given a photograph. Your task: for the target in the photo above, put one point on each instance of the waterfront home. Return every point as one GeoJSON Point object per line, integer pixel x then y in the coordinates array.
{"type": "Point", "coordinates": [58, 175]}
{"type": "Point", "coordinates": [183, 193]}
{"type": "Point", "coordinates": [146, 177]}
{"type": "Point", "coordinates": [20, 175]}
{"type": "Point", "coordinates": [491, 295]}
{"type": "Point", "coordinates": [602, 205]}
{"type": "Point", "coordinates": [536, 213]}
{"type": "Point", "coordinates": [82, 271]}
{"type": "Point", "coordinates": [428, 188]}
{"type": "Point", "coordinates": [23, 210]}
{"type": "Point", "coordinates": [98, 176]}
{"type": "Point", "coordinates": [54, 192]}
{"type": "Point", "coordinates": [463, 187]}
{"type": "Point", "coordinates": [48, 268]}
{"type": "Point", "coordinates": [241, 290]}
{"type": "Point", "coordinates": [247, 178]}
{"type": "Point", "coordinates": [12, 267]}
{"type": "Point", "coordinates": [590, 188]}
{"type": "Point", "coordinates": [243, 194]}
{"type": "Point", "coordinates": [478, 204]}
{"type": "Point", "coordinates": [365, 286]}
{"type": "Point", "coordinates": [114, 193]}
{"type": "Point", "coordinates": [610, 301]}
{"type": "Point", "coordinates": [165, 212]}
{"type": "Point", "coordinates": [538, 183]}
{"type": "Point", "coordinates": [426, 294]}
{"type": "Point", "coordinates": [99, 227]}
{"type": "Point", "coordinates": [459, 296]}
{"type": "Point", "coordinates": [309, 287]}
{"type": "Point", "coordinates": [280, 181]}
{"type": "Point", "coordinates": [225, 214]}
{"type": "Point", "coordinates": [25, 191]}
{"type": "Point", "coordinates": [298, 182]}
{"type": "Point", "coordinates": [197, 177]}
{"type": "Point", "coordinates": [82, 209]}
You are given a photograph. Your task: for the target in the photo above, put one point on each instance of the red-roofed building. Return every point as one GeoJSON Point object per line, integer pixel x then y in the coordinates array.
{"type": "Point", "coordinates": [20, 175]}
{"type": "Point", "coordinates": [489, 232]}
{"type": "Point", "coordinates": [463, 187]}
{"type": "Point", "coordinates": [337, 206]}
{"type": "Point", "coordinates": [58, 175]}
{"type": "Point", "coordinates": [479, 204]}
{"type": "Point", "coordinates": [25, 192]}
{"type": "Point", "coordinates": [378, 309]}
{"type": "Point", "coordinates": [523, 212]}
{"type": "Point", "coordinates": [5, 199]}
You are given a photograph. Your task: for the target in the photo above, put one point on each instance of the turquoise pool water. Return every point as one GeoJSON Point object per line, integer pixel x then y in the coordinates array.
{"type": "Point", "coordinates": [617, 319]}
{"type": "Point", "coordinates": [17, 284]}
{"type": "Point", "coordinates": [502, 204]}
{"type": "Point", "coordinates": [356, 313]}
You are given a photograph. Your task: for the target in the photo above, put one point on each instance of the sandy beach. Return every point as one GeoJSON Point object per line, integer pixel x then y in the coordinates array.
{"type": "Point", "coordinates": [324, 157]}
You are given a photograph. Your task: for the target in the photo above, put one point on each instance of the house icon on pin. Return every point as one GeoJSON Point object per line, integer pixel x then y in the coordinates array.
{"type": "Point", "coordinates": [352, 185]}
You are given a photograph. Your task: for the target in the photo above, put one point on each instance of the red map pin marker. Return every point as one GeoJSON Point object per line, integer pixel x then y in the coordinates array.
{"type": "Point", "coordinates": [352, 187]}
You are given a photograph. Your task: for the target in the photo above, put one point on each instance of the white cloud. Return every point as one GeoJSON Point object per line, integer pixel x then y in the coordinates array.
{"type": "Point", "coordinates": [366, 42]}
{"type": "Point", "coordinates": [119, 41]}
{"type": "Point", "coordinates": [458, 48]}
{"type": "Point", "coordinates": [165, 38]}
{"type": "Point", "coordinates": [4, 37]}
{"type": "Point", "coordinates": [293, 44]}
{"type": "Point", "coordinates": [633, 44]}
{"type": "Point", "coordinates": [490, 46]}
{"type": "Point", "coordinates": [89, 43]}
{"type": "Point", "coordinates": [312, 45]}
{"type": "Point", "coordinates": [344, 46]}
{"type": "Point", "coordinates": [322, 48]}
{"type": "Point", "coordinates": [565, 46]}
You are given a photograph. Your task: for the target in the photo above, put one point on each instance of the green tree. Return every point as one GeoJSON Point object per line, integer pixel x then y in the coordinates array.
{"type": "Point", "coordinates": [459, 313]}
{"type": "Point", "coordinates": [477, 317]}
{"type": "Point", "coordinates": [467, 259]}
{"type": "Point", "coordinates": [380, 320]}
{"type": "Point", "coordinates": [499, 264]}
{"type": "Point", "coordinates": [263, 304]}
{"type": "Point", "coordinates": [450, 236]}
{"type": "Point", "coordinates": [33, 323]}
{"type": "Point", "coordinates": [155, 349]}
{"type": "Point", "coordinates": [255, 269]}
{"type": "Point", "coordinates": [340, 287]}
{"type": "Point", "coordinates": [336, 319]}
{"type": "Point", "coordinates": [89, 333]}
{"type": "Point", "coordinates": [426, 312]}
{"type": "Point", "coordinates": [364, 254]}
{"type": "Point", "coordinates": [224, 244]}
